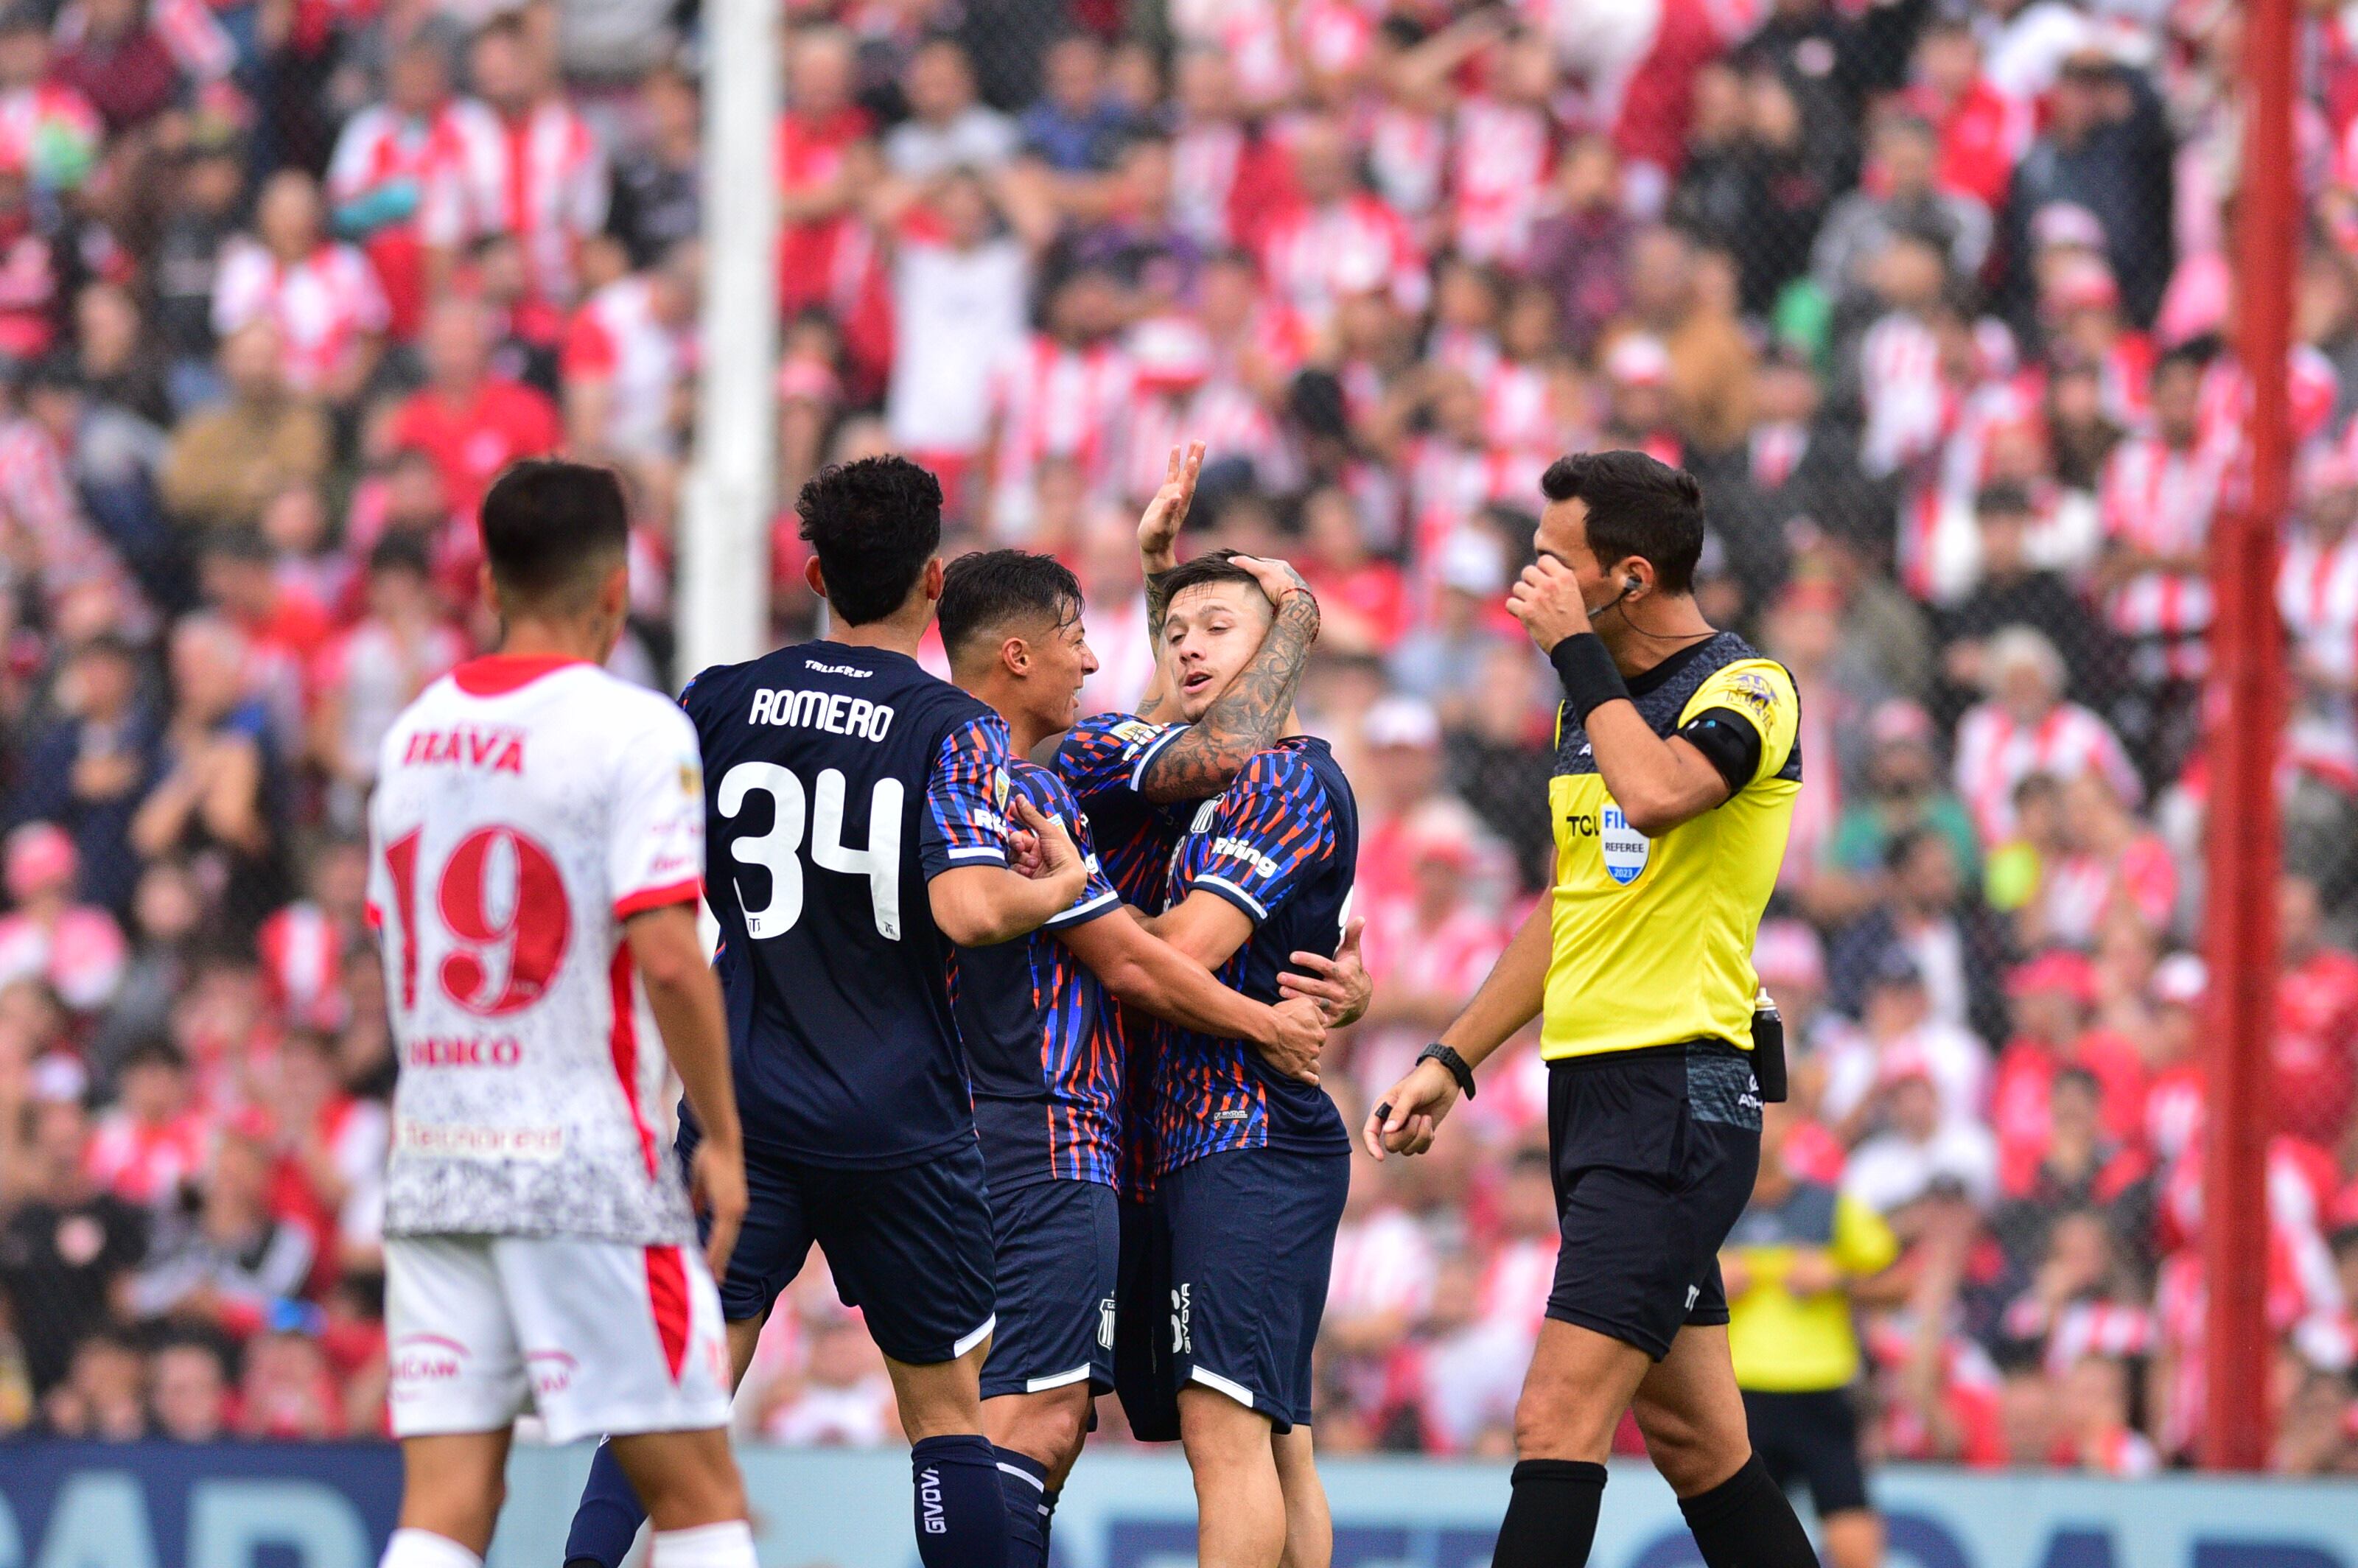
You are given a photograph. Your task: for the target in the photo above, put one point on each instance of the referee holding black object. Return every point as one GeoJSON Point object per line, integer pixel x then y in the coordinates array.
{"type": "Point", "coordinates": [1676, 768]}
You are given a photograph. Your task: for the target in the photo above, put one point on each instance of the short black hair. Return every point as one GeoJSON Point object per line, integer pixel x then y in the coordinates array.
{"type": "Point", "coordinates": [2003, 497]}
{"type": "Point", "coordinates": [1203, 571]}
{"type": "Point", "coordinates": [547, 523]}
{"type": "Point", "coordinates": [874, 525]}
{"type": "Point", "coordinates": [399, 552]}
{"type": "Point", "coordinates": [1638, 505]}
{"type": "Point", "coordinates": [992, 591]}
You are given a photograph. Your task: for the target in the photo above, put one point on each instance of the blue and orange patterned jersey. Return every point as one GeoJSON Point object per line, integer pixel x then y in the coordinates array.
{"type": "Point", "coordinates": [1047, 1071]}
{"type": "Point", "coordinates": [1102, 760]}
{"type": "Point", "coordinates": [1279, 844]}
{"type": "Point", "coordinates": [839, 781]}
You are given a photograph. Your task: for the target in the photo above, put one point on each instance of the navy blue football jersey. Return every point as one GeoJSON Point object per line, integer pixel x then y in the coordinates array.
{"type": "Point", "coordinates": [1045, 1068]}
{"type": "Point", "coordinates": [1281, 843]}
{"type": "Point", "coordinates": [1101, 761]}
{"type": "Point", "coordinates": [840, 781]}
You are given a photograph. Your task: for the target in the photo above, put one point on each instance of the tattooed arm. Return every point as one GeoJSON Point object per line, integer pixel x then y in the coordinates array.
{"type": "Point", "coordinates": [1248, 716]}
{"type": "Point", "coordinates": [1158, 539]}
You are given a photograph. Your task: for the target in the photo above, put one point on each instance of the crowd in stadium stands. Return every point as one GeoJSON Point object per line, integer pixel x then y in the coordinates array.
{"type": "Point", "coordinates": [1929, 293]}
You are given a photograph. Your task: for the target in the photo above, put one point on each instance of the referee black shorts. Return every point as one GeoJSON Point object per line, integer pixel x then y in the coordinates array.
{"type": "Point", "coordinates": [1811, 1436]}
{"type": "Point", "coordinates": [1653, 1153]}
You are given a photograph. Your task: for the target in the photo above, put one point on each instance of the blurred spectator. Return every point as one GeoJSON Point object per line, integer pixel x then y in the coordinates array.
{"type": "Point", "coordinates": [223, 1265]}
{"type": "Point", "coordinates": [69, 1248]}
{"type": "Point", "coordinates": [1921, 1152]}
{"type": "Point", "coordinates": [227, 460]}
{"type": "Point", "coordinates": [323, 296]}
{"type": "Point", "coordinates": [2024, 726]}
{"type": "Point", "coordinates": [947, 129]}
{"type": "Point", "coordinates": [2314, 1082]}
{"type": "Point", "coordinates": [473, 423]}
{"type": "Point", "coordinates": [190, 1394]}
{"type": "Point", "coordinates": [101, 1399]}
{"type": "Point", "coordinates": [1928, 917]}
{"type": "Point", "coordinates": [88, 773]}
{"type": "Point", "coordinates": [2104, 161]}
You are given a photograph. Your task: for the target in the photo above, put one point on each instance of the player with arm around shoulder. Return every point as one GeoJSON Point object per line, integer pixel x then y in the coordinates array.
{"type": "Point", "coordinates": [535, 840]}
{"type": "Point", "coordinates": [1676, 768]}
{"type": "Point", "coordinates": [1045, 1065]}
{"type": "Point", "coordinates": [858, 827]}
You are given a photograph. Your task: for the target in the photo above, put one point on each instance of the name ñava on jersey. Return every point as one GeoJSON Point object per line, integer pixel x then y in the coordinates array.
{"type": "Point", "coordinates": [526, 808]}
{"type": "Point", "coordinates": [1654, 938]}
{"type": "Point", "coordinates": [840, 781]}
{"type": "Point", "coordinates": [1045, 1065]}
{"type": "Point", "coordinates": [1282, 844]}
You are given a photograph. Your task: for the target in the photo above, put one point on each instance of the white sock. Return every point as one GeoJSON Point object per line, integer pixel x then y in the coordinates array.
{"type": "Point", "coordinates": [724, 1545]}
{"type": "Point", "coordinates": [424, 1549]}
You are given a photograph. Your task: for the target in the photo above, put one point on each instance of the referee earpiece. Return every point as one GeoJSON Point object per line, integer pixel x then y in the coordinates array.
{"type": "Point", "coordinates": [1631, 584]}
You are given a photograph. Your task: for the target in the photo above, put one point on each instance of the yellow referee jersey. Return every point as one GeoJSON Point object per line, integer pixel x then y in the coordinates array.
{"type": "Point", "coordinates": [1654, 938]}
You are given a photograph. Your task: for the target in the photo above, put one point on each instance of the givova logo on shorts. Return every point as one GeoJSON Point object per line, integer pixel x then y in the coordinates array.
{"type": "Point", "coordinates": [1180, 1301]}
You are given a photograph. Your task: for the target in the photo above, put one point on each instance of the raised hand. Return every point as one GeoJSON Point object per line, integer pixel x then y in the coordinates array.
{"type": "Point", "coordinates": [1159, 525]}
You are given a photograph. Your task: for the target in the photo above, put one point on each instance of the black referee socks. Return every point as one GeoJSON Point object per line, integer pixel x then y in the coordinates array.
{"type": "Point", "coordinates": [1552, 1519]}
{"type": "Point", "coordinates": [1747, 1522]}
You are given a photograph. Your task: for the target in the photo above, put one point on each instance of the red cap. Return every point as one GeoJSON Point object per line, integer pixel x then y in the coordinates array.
{"type": "Point", "coordinates": [39, 856]}
{"type": "Point", "coordinates": [2057, 969]}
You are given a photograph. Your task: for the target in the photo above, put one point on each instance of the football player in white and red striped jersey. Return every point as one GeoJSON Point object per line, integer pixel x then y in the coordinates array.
{"type": "Point", "coordinates": [536, 844]}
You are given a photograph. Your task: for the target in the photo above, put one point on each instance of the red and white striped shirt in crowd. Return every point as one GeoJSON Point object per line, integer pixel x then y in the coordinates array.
{"type": "Point", "coordinates": [2173, 1111]}
{"type": "Point", "coordinates": [2079, 1329]}
{"type": "Point", "coordinates": [2225, 399]}
{"type": "Point", "coordinates": [1383, 1263]}
{"type": "Point", "coordinates": [405, 162]}
{"type": "Point", "coordinates": [2316, 593]}
{"type": "Point", "coordinates": [1408, 157]}
{"type": "Point", "coordinates": [1519, 409]}
{"type": "Point", "coordinates": [1516, 1282]}
{"type": "Point", "coordinates": [195, 39]}
{"type": "Point", "coordinates": [1314, 256]}
{"type": "Point", "coordinates": [1448, 483]}
{"type": "Point", "coordinates": [1331, 37]}
{"type": "Point", "coordinates": [540, 176]}
{"type": "Point", "coordinates": [1226, 418]}
{"type": "Point", "coordinates": [1997, 751]}
{"type": "Point", "coordinates": [325, 306]}
{"type": "Point", "coordinates": [1499, 171]}
{"type": "Point", "coordinates": [1968, 1393]}
{"type": "Point", "coordinates": [1909, 409]}
{"type": "Point", "coordinates": [1410, 959]}
{"type": "Point", "coordinates": [1471, 352]}
{"type": "Point", "coordinates": [2078, 893]}
{"type": "Point", "coordinates": [617, 337]}
{"type": "Point", "coordinates": [301, 950]}
{"type": "Point", "coordinates": [1983, 134]}
{"type": "Point", "coordinates": [147, 1162]}
{"type": "Point", "coordinates": [2158, 500]}
{"type": "Point", "coordinates": [1054, 401]}
{"type": "Point", "coordinates": [37, 498]}
{"type": "Point", "coordinates": [1204, 158]}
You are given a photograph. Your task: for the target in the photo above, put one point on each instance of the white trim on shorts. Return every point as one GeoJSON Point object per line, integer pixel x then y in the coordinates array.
{"type": "Point", "coordinates": [966, 1342]}
{"type": "Point", "coordinates": [1199, 1373]}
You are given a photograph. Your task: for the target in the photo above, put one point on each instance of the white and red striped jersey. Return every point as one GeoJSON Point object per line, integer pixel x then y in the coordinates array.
{"type": "Point", "coordinates": [1907, 398]}
{"type": "Point", "coordinates": [1226, 418]}
{"type": "Point", "coordinates": [37, 497]}
{"type": "Point", "coordinates": [2078, 892]}
{"type": "Point", "coordinates": [2316, 593]}
{"type": "Point", "coordinates": [2173, 1112]}
{"type": "Point", "coordinates": [1314, 256]}
{"type": "Point", "coordinates": [1053, 400]}
{"type": "Point", "coordinates": [324, 305]}
{"type": "Point", "coordinates": [617, 337]}
{"type": "Point", "coordinates": [2075, 1330]}
{"type": "Point", "coordinates": [1518, 411]}
{"type": "Point", "coordinates": [2226, 399]}
{"type": "Point", "coordinates": [302, 962]}
{"type": "Point", "coordinates": [1499, 172]}
{"type": "Point", "coordinates": [2158, 500]}
{"type": "Point", "coordinates": [195, 37]}
{"type": "Point", "coordinates": [1204, 158]}
{"type": "Point", "coordinates": [1516, 1281]}
{"type": "Point", "coordinates": [524, 809]}
{"type": "Point", "coordinates": [1383, 1263]}
{"type": "Point", "coordinates": [409, 164]}
{"type": "Point", "coordinates": [1996, 752]}
{"type": "Point", "coordinates": [147, 1162]}
{"type": "Point", "coordinates": [540, 176]}
{"type": "Point", "coordinates": [1408, 156]}
{"type": "Point", "coordinates": [1330, 37]}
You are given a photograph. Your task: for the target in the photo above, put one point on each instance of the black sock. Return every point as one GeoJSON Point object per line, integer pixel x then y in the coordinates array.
{"type": "Point", "coordinates": [961, 1511]}
{"type": "Point", "coordinates": [1747, 1522]}
{"type": "Point", "coordinates": [1552, 1518]}
{"type": "Point", "coordinates": [1024, 1481]}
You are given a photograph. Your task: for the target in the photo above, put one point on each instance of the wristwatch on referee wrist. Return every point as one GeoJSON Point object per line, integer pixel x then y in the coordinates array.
{"type": "Point", "coordinates": [1437, 1051]}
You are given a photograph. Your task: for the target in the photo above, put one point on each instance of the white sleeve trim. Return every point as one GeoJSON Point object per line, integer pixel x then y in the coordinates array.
{"type": "Point", "coordinates": [1070, 916]}
{"type": "Point", "coordinates": [1261, 911]}
{"type": "Point", "coordinates": [980, 853]}
{"type": "Point", "coordinates": [1154, 749]}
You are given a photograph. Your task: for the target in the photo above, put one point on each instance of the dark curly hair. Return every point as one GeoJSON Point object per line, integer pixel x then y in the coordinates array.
{"type": "Point", "coordinates": [873, 523]}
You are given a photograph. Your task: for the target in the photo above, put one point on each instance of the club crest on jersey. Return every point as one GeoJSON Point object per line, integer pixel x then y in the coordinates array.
{"type": "Point", "coordinates": [1753, 690]}
{"type": "Point", "coordinates": [1204, 814]}
{"type": "Point", "coordinates": [998, 788]}
{"type": "Point", "coordinates": [1137, 731]}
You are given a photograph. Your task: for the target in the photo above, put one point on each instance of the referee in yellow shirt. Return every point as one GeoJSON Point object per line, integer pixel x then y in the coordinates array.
{"type": "Point", "coordinates": [1675, 772]}
{"type": "Point", "coordinates": [1794, 1267]}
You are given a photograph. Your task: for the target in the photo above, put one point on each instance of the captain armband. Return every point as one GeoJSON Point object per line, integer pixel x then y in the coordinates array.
{"type": "Point", "coordinates": [1728, 742]}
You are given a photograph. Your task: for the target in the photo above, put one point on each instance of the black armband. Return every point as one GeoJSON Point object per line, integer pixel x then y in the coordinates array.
{"type": "Point", "coordinates": [1728, 742]}
{"type": "Point", "coordinates": [1589, 677]}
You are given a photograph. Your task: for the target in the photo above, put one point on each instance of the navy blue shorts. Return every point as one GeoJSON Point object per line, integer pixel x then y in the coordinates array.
{"type": "Point", "coordinates": [1252, 1243]}
{"type": "Point", "coordinates": [910, 1246]}
{"type": "Point", "coordinates": [1059, 1249]}
{"type": "Point", "coordinates": [1654, 1154]}
{"type": "Point", "coordinates": [1142, 1328]}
